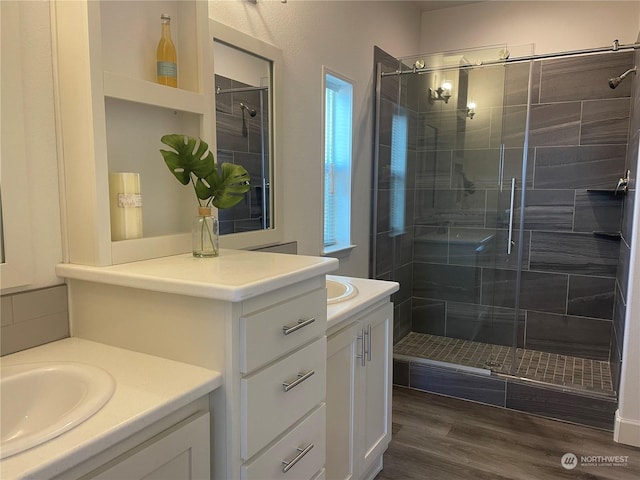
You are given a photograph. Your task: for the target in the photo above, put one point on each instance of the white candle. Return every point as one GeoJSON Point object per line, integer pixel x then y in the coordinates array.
{"type": "Point", "coordinates": [125, 204]}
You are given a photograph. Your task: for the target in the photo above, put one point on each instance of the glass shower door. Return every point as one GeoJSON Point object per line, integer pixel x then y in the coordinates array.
{"type": "Point", "coordinates": [461, 205]}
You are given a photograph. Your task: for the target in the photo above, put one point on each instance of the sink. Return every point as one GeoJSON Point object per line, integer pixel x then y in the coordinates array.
{"type": "Point", "coordinates": [339, 290]}
{"type": "Point", "coordinates": [39, 401]}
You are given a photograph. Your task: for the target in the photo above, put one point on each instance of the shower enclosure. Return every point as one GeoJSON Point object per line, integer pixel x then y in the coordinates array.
{"type": "Point", "coordinates": [496, 210]}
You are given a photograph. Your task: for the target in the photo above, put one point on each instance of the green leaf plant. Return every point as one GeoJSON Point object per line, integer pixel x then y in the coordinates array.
{"type": "Point", "coordinates": [192, 162]}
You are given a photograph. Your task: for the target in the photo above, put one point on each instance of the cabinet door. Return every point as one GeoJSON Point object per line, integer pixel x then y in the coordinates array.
{"type": "Point", "coordinates": [375, 401]}
{"type": "Point", "coordinates": [181, 453]}
{"type": "Point", "coordinates": [341, 381]}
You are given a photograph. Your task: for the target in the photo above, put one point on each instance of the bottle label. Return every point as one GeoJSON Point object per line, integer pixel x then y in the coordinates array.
{"type": "Point", "coordinates": [167, 69]}
{"type": "Point", "coordinates": [129, 200]}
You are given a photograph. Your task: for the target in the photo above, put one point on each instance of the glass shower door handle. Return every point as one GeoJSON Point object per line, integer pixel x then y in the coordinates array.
{"type": "Point", "coordinates": [510, 242]}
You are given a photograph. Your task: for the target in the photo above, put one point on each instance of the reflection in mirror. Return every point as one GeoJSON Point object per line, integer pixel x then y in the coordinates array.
{"type": "Point", "coordinates": [243, 135]}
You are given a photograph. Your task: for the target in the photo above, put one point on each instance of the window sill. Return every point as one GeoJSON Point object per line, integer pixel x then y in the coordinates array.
{"type": "Point", "coordinates": [338, 251]}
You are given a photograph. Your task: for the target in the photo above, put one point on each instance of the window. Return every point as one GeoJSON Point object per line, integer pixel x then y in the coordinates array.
{"type": "Point", "coordinates": [338, 112]}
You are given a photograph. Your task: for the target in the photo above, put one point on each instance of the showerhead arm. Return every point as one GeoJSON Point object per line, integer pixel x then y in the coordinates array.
{"type": "Point", "coordinates": [615, 81]}
{"type": "Point", "coordinates": [252, 111]}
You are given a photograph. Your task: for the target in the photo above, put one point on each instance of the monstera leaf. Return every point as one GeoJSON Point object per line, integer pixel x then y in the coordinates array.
{"type": "Point", "coordinates": [191, 155]}
{"type": "Point", "coordinates": [191, 161]}
{"type": "Point", "coordinates": [226, 189]}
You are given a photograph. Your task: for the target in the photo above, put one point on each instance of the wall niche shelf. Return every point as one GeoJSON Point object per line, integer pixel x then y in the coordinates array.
{"type": "Point", "coordinates": [150, 93]}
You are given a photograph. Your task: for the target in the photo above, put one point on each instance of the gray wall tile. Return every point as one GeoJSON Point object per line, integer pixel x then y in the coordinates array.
{"type": "Point", "coordinates": [569, 407]}
{"type": "Point", "coordinates": [591, 296]}
{"type": "Point", "coordinates": [431, 244]}
{"type": "Point", "coordinates": [446, 282]}
{"type": "Point", "coordinates": [584, 77]}
{"type": "Point", "coordinates": [39, 303]}
{"type": "Point", "coordinates": [568, 335]}
{"type": "Point", "coordinates": [605, 121]}
{"type": "Point", "coordinates": [579, 167]}
{"type": "Point", "coordinates": [450, 207]}
{"type": "Point", "coordinates": [555, 124]}
{"type": "Point", "coordinates": [428, 316]}
{"type": "Point", "coordinates": [480, 388]}
{"type": "Point", "coordinates": [433, 169]}
{"type": "Point", "coordinates": [33, 318]}
{"type": "Point", "coordinates": [578, 253]}
{"type": "Point", "coordinates": [483, 323]}
{"type": "Point", "coordinates": [541, 291]}
{"type": "Point", "coordinates": [6, 310]}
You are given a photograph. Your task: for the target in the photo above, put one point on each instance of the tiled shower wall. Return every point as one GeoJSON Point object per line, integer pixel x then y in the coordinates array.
{"type": "Point", "coordinates": [240, 141]}
{"type": "Point", "coordinates": [451, 262]}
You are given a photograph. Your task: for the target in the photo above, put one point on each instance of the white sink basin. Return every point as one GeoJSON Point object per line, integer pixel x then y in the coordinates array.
{"type": "Point", "coordinates": [39, 401]}
{"type": "Point", "coordinates": [339, 290]}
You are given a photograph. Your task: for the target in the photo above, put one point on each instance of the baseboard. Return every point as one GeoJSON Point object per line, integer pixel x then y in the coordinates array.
{"type": "Point", "coordinates": [626, 431]}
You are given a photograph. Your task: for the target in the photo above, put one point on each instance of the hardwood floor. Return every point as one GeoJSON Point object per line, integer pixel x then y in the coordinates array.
{"type": "Point", "coordinates": [442, 438]}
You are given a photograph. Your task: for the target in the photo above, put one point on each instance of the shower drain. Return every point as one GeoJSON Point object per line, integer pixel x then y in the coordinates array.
{"type": "Point", "coordinates": [492, 364]}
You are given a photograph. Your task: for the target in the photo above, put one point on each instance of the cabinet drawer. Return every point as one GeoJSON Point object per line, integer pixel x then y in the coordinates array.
{"type": "Point", "coordinates": [263, 336]}
{"type": "Point", "coordinates": [309, 435]}
{"type": "Point", "coordinates": [267, 409]}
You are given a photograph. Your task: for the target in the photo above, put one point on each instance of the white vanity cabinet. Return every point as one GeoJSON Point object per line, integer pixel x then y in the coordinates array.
{"type": "Point", "coordinates": [359, 379]}
{"type": "Point", "coordinates": [181, 452]}
{"type": "Point", "coordinates": [258, 318]}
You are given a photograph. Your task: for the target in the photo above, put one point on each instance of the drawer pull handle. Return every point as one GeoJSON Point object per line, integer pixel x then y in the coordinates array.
{"type": "Point", "coordinates": [301, 323]}
{"type": "Point", "coordinates": [301, 378]}
{"type": "Point", "coordinates": [301, 453]}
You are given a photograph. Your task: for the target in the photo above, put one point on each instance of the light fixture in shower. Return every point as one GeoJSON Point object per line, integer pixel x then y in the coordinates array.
{"type": "Point", "coordinates": [471, 110]}
{"type": "Point", "coordinates": [615, 81]}
{"type": "Point", "coordinates": [443, 92]}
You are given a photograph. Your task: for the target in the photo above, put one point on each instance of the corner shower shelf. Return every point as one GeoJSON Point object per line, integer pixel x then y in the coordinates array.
{"type": "Point", "coordinates": [608, 234]}
{"type": "Point", "coordinates": [607, 191]}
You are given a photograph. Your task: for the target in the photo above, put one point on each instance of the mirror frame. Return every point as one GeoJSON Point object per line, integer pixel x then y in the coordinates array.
{"type": "Point", "coordinates": [17, 268]}
{"type": "Point", "coordinates": [253, 46]}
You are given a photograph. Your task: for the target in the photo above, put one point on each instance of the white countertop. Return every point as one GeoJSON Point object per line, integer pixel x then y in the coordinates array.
{"type": "Point", "coordinates": [148, 388]}
{"type": "Point", "coordinates": [369, 292]}
{"type": "Point", "coordinates": [235, 275]}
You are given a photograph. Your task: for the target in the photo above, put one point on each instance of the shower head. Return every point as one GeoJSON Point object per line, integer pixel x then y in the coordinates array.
{"type": "Point", "coordinates": [615, 81]}
{"type": "Point", "coordinates": [252, 111]}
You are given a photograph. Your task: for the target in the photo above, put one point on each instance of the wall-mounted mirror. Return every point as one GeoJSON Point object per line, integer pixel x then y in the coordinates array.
{"type": "Point", "coordinates": [16, 262]}
{"type": "Point", "coordinates": [247, 90]}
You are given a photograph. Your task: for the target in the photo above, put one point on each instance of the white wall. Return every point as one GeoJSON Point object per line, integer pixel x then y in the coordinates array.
{"type": "Point", "coordinates": [340, 35]}
{"type": "Point", "coordinates": [552, 26]}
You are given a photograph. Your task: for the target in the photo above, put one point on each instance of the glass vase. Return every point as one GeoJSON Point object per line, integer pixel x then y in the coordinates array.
{"type": "Point", "coordinates": [205, 234]}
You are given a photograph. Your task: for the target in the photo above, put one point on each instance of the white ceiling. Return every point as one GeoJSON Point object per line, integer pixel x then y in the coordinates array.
{"type": "Point", "coordinates": [426, 5]}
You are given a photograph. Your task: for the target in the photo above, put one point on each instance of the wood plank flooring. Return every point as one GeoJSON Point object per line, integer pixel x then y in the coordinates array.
{"type": "Point", "coordinates": [442, 438]}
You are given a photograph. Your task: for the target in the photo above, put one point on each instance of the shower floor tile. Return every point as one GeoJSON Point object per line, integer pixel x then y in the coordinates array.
{"type": "Point", "coordinates": [563, 370]}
